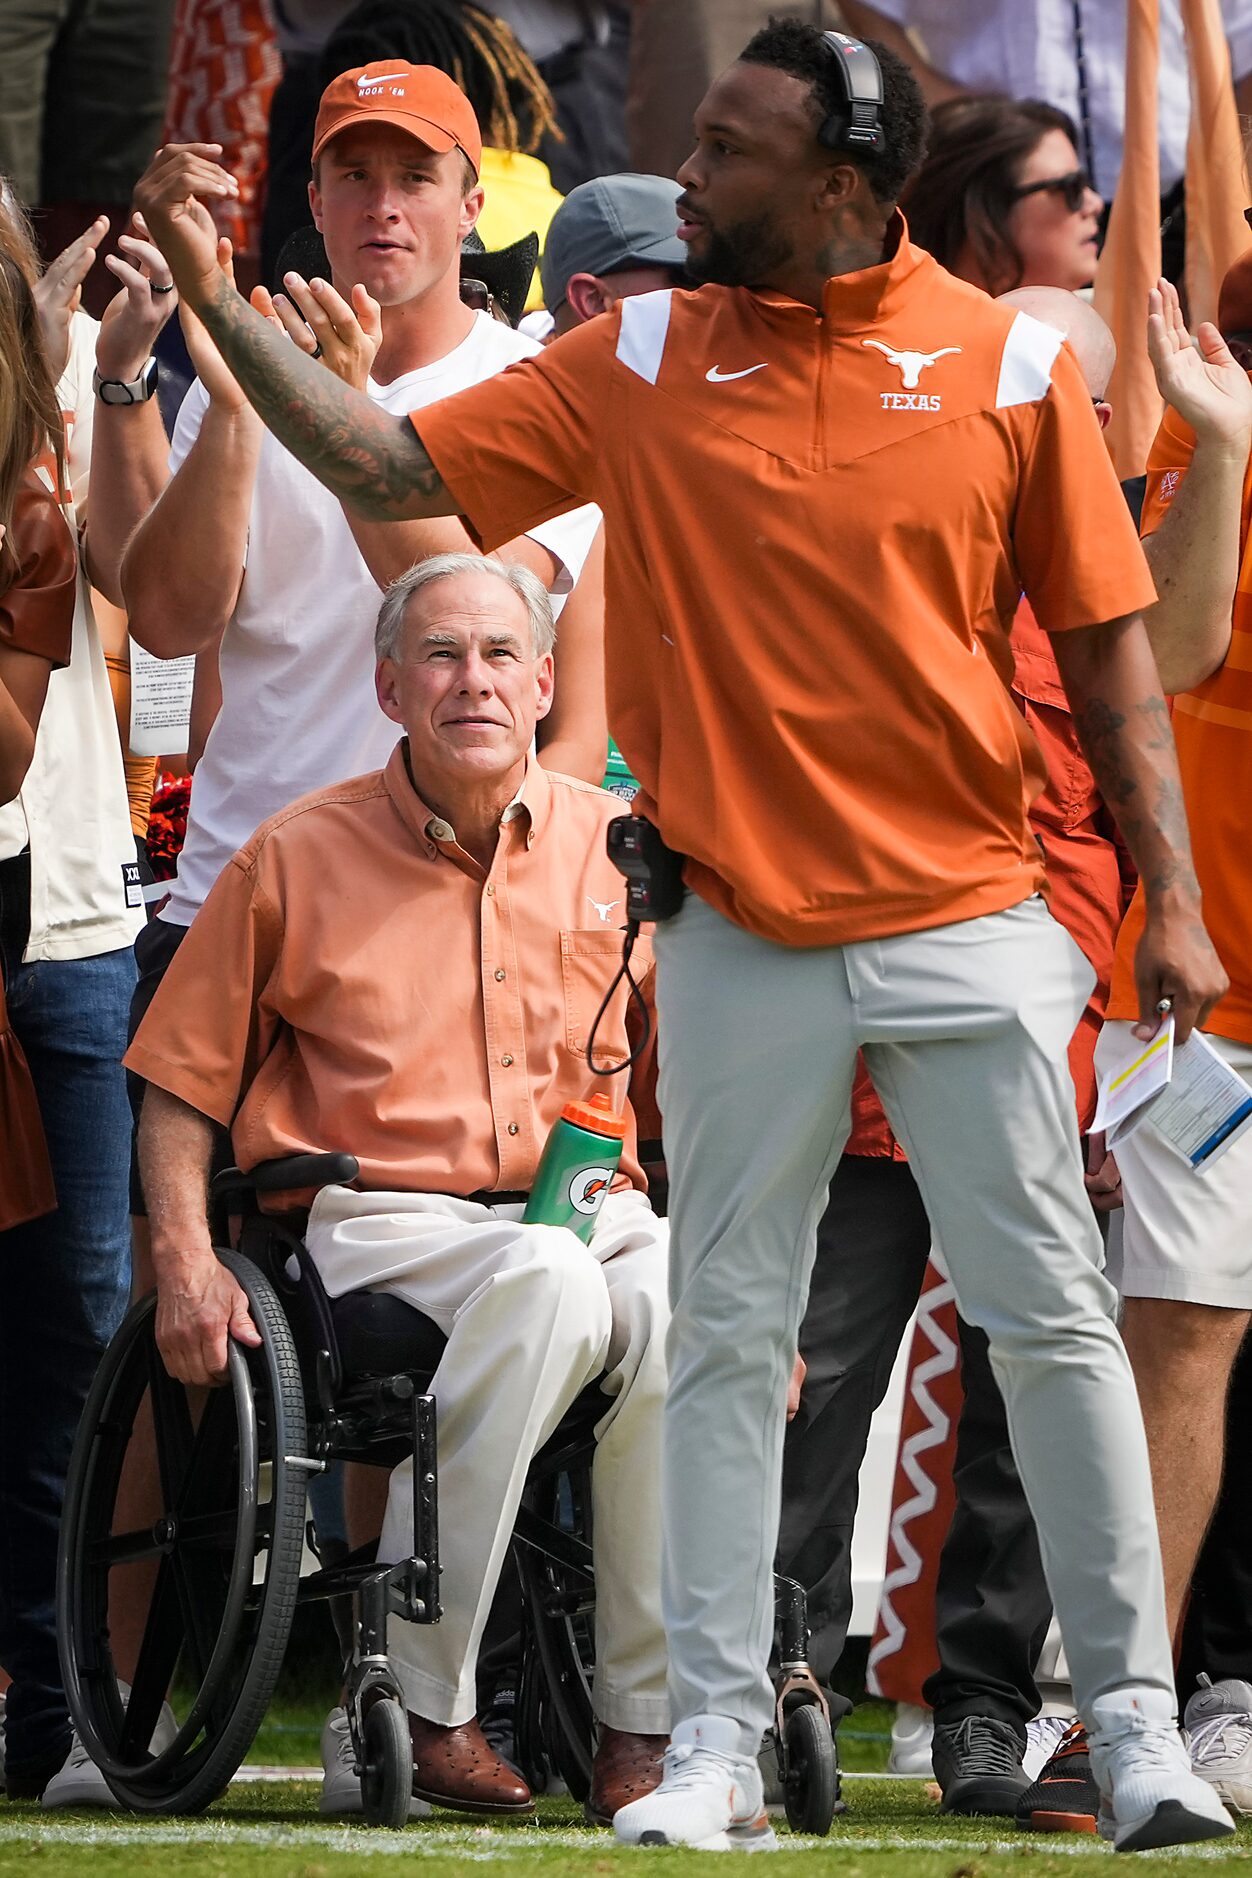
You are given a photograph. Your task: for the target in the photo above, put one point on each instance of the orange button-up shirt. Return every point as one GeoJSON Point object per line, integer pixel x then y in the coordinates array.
{"type": "Point", "coordinates": [356, 982]}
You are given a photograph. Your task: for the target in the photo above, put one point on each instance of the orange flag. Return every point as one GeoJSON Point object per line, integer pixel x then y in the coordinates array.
{"type": "Point", "coordinates": [1131, 260]}
{"type": "Point", "coordinates": [1217, 181]}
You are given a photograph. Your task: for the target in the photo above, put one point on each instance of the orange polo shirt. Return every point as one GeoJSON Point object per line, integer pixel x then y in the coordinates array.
{"type": "Point", "coordinates": [356, 982]}
{"type": "Point", "coordinates": [818, 528]}
{"type": "Point", "coordinates": [1213, 732]}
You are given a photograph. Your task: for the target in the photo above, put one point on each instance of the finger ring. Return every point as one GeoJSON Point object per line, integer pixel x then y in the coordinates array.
{"type": "Point", "coordinates": [317, 351]}
{"type": "Point", "coordinates": [157, 289]}
{"type": "Point", "coordinates": [1164, 1005]}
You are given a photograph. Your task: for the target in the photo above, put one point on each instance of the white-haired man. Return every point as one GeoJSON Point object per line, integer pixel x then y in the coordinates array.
{"type": "Point", "coordinates": [406, 966]}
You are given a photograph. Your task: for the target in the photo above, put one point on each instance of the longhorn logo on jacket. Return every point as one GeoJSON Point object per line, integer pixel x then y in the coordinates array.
{"type": "Point", "coordinates": [910, 365]}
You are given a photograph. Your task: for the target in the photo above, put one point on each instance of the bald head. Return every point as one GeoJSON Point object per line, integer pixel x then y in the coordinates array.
{"type": "Point", "coordinates": [1090, 339]}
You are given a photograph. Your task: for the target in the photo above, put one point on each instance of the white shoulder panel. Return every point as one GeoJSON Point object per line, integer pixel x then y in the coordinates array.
{"type": "Point", "coordinates": [645, 323]}
{"type": "Point", "coordinates": [1026, 364]}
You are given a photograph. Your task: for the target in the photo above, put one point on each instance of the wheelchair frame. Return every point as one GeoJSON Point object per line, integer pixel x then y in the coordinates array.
{"type": "Point", "coordinates": [291, 1419]}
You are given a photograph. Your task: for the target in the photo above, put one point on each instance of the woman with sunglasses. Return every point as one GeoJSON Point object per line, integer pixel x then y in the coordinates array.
{"type": "Point", "coordinates": [1002, 200]}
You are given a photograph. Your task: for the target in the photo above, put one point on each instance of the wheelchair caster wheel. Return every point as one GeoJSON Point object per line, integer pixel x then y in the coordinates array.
{"type": "Point", "coordinates": [387, 1773]}
{"type": "Point", "coordinates": [811, 1781]}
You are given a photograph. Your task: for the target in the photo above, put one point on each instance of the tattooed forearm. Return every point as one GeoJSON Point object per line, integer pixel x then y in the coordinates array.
{"type": "Point", "coordinates": [1123, 725]}
{"type": "Point", "coordinates": [369, 459]}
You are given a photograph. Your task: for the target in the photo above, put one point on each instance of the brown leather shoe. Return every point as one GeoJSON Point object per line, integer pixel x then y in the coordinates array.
{"type": "Point", "coordinates": [456, 1767]}
{"type": "Point", "coordinates": [625, 1768]}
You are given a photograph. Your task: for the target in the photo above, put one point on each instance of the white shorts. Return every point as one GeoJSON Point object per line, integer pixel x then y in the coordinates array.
{"type": "Point", "coordinates": [1187, 1235]}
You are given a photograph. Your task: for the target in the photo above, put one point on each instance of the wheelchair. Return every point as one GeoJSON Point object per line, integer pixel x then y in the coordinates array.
{"type": "Point", "coordinates": [222, 1562]}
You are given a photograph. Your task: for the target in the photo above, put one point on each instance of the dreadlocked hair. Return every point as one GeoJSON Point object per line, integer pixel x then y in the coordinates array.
{"type": "Point", "coordinates": [514, 108]}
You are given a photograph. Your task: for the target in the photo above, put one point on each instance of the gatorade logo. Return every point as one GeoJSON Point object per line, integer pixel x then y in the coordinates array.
{"type": "Point", "coordinates": [588, 1188]}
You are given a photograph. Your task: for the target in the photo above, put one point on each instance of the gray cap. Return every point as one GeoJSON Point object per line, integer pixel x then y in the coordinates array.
{"type": "Point", "coordinates": [611, 222]}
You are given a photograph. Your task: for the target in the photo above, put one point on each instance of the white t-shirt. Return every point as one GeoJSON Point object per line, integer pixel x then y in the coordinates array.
{"type": "Point", "coordinates": [299, 710]}
{"type": "Point", "coordinates": [72, 810]}
{"type": "Point", "coordinates": [1028, 48]}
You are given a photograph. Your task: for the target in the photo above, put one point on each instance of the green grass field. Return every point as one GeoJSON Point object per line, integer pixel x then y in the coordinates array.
{"type": "Point", "coordinates": [272, 1830]}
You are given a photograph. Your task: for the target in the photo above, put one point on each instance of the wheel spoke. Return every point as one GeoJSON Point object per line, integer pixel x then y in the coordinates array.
{"type": "Point", "coordinates": [158, 1655]}
{"type": "Point", "coordinates": [124, 1548]}
{"type": "Point", "coordinates": [171, 1421]}
{"type": "Point", "coordinates": [200, 1601]}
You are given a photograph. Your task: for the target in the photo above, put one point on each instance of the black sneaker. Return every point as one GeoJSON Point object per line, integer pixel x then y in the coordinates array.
{"type": "Point", "coordinates": [978, 1764]}
{"type": "Point", "coordinates": [1065, 1797]}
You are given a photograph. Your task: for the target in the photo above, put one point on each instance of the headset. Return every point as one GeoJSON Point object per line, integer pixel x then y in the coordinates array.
{"type": "Point", "coordinates": [855, 123]}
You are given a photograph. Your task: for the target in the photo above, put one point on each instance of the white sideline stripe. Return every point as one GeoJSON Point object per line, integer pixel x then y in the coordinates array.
{"type": "Point", "coordinates": [484, 1843]}
{"type": "Point", "coordinates": [645, 323]}
{"type": "Point", "coordinates": [1026, 363]}
{"type": "Point", "coordinates": [276, 1776]}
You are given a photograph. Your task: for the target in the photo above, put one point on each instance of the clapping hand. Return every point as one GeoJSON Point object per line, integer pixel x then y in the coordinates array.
{"type": "Point", "coordinates": [58, 293]}
{"type": "Point", "coordinates": [322, 323]}
{"type": "Point", "coordinates": [172, 195]}
{"type": "Point", "coordinates": [1204, 382]}
{"type": "Point", "coordinates": [134, 317]}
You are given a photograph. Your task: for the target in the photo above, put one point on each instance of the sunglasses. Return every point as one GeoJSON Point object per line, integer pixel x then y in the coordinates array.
{"type": "Point", "coordinates": [476, 294]}
{"type": "Point", "coordinates": [1072, 188]}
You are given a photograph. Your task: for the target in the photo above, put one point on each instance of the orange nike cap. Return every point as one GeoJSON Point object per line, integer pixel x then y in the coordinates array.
{"type": "Point", "coordinates": [418, 98]}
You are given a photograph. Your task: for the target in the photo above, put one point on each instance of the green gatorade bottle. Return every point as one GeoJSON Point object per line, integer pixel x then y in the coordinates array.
{"type": "Point", "coordinates": [577, 1167]}
{"type": "Point", "coordinates": [618, 779]}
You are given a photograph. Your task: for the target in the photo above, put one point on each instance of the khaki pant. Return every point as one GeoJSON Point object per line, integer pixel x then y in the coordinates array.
{"type": "Point", "coordinates": [965, 1029]}
{"type": "Point", "coordinates": [532, 1317]}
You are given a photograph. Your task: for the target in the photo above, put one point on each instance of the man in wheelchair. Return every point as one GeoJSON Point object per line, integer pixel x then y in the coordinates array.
{"type": "Point", "coordinates": [405, 967]}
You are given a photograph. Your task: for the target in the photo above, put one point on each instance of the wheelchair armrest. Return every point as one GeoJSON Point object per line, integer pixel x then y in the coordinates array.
{"type": "Point", "coordinates": [293, 1173]}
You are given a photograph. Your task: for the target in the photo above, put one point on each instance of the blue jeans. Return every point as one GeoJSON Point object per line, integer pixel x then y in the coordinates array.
{"type": "Point", "coordinates": [64, 1286]}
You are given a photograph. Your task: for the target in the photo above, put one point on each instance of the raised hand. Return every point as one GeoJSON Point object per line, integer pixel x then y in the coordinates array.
{"type": "Point", "coordinates": [58, 292]}
{"type": "Point", "coordinates": [172, 195]}
{"type": "Point", "coordinates": [321, 322]}
{"type": "Point", "coordinates": [1204, 383]}
{"type": "Point", "coordinates": [134, 317]}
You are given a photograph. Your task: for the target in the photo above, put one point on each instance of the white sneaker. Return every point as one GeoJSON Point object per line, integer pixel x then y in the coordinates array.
{"type": "Point", "coordinates": [80, 1782]}
{"type": "Point", "coordinates": [1219, 1723]}
{"type": "Point", "coordinates": [1043, 1737]}
{"type": "Point", "coordinates": [341, 1784]}
{"type": "Point", "coordinates": [912, 1732]}
{"type": "Point", "coordinates": [1149, 1796]}
{"type": "Point", "coordinates": [710, 1795]}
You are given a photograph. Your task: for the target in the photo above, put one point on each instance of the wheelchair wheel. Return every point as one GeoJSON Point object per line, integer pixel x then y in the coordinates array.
{"type": "Point", "coordinates": [561, 1616]}
{"type": "Point", "coordinates": [811, 1784]}
{"type": "Point", "coordinates": [215, 1556]}
{"type": "Point", "coordinates": [387, 1771]}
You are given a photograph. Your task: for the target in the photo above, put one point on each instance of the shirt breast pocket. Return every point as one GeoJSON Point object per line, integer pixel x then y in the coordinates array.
{"type": "Point", "coordinates": [589, 962]}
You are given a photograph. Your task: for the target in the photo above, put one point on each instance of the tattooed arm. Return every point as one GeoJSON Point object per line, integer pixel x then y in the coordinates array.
{"type": "Point", "coordinates": [369, 459]}
{"type": "Point", "coordinates": [1114, 692]}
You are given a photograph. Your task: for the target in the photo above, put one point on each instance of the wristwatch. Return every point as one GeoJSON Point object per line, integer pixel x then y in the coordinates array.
{"type": "Point", "coordinates": [117, 391]}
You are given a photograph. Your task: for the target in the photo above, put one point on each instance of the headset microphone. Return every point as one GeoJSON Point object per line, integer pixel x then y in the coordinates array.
{"type": "Point", "coordinates": [856, 123]}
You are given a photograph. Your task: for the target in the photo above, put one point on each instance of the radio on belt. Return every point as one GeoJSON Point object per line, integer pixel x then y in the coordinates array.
{"type": "Point", "coordinates": [654, 873]}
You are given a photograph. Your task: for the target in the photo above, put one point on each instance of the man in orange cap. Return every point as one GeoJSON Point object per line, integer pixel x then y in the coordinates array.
{"type": "Point", "coordinates": [247, 552]}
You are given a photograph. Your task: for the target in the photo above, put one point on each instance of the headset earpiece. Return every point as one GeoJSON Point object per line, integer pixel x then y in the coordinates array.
{"type": "Point", "coordinates": [857, 122]}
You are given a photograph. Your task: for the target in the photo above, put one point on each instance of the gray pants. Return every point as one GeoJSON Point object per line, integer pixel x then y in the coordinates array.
{"type": "Point", "coordinates": [965, 1029]}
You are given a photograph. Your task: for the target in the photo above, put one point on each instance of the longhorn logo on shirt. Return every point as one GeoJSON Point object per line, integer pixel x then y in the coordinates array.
{"type": "Point", "coordinates": [603, 908]}
{"type": "Point", "coordinates": [588, 1188]}
{"type": "Point", "coordinates": [911, 365]}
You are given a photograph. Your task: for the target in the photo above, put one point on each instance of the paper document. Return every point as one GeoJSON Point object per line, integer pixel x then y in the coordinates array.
{"type": "Point", "coordinates": [1192, 1097]}
{"type": "Point", "coordinates": [1132, 1085]}
{"type": "Point", "coordinates": [160, 703]}
{"type": "Point", "coordinates": [1206, 1106]}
